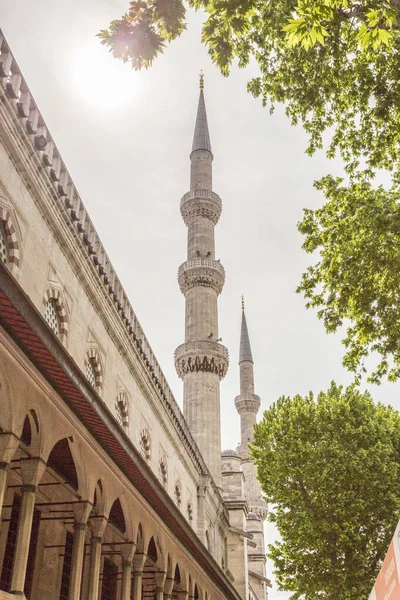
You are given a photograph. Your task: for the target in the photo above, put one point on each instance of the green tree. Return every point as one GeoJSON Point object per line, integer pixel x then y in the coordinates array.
{"type": "Point", "coordinates": [335, 66]}
{"type": "Point", "coordinates": [330, 469]}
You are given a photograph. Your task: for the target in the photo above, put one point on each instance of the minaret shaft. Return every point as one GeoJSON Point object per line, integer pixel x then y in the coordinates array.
{"type": "Point", "coordinates": [202, 361]}
{"type": "Point", "coordinates": [201, 172]}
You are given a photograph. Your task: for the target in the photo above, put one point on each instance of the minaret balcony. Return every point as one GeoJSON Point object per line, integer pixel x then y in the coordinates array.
{"type": "Point", "coordinates": [204, 356]}
{"type": "Point", "coordinates": [201, 203]}
{"type": "Point", "coordinates": [201, 272]}
{"type": "Point", "coordinates": [247, 403]}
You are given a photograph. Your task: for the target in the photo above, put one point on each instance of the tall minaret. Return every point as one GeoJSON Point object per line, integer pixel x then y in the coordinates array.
{"type": "Point", "coordinates": [202, 361]}
{"type": "Point", "coordinates": [247, 405]}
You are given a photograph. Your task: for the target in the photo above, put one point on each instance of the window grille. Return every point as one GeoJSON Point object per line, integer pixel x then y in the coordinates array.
{"type": "Point", "coordinates": [121, 410]}
{"type": "Point", "coordinates": [3, 244]}
{"type": "Point", "coordinates": [177, 495]}
{"type": "Point", "coordinates": [162, 471]}
{"type": "Point", "coordinates": [145, 446]}
{"type": "Point", "coordinates": [90, 372]}
{"type": "Point", "coordinates": [51, 316]}
{"type": "Point", "coordinates": [190, 512]}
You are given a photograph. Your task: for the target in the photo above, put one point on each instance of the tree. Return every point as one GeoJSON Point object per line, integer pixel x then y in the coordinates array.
{"type": "Point", "coordinates": [330, 468]}
{"type": "Point", "coordinates": [335, 66]}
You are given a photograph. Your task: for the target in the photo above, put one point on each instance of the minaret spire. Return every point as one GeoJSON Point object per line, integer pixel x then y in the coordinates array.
{"type": "Point", "coordinates": [201, 137]}
{"type": "Point", "coordinates": [245, 348]}
{"type": "Point", "coordinates": [202, 360]}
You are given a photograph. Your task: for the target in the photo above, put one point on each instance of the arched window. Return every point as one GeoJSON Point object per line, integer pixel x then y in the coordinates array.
{"type": "Point", "coordinates": [190, 512]}
{"type": "Point", "coordinates": [9, 245]}
{"type": "Point", "coordinates": [178, 494]}
{"type": "Point", "coordinates": [145, 444]}
{"type": "Point", "coordinates": [163, 471]}
{"type": "Point", "coordinates": [121, 410]}
{"type": "Point", "coordinates": [3, 243]}
{"type": "Point", "coordinates": [51, 316]}
{"type": "Point", "coordinates": [93, 368]}
{"type": "Point", "coordinates": [55, 312]}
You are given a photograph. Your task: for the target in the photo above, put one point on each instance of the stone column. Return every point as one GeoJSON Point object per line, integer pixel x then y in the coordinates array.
{"type": "Point", "coordinates": [23, 539]}
{"type": "Point", "coordinates": [127, 565]}
{"type": "Point", "coordinates": [81, 516]}
{"type": "Point", "coordinates": [138, 564]}
{"type": "Point", "coordinates": [4, 468]}
{"type": "Point", "coordinates": [98, 525]}
{"type": "Point", "coordinates": [8, 446]}
{"type": "Point", "coordinates": [32, 470]}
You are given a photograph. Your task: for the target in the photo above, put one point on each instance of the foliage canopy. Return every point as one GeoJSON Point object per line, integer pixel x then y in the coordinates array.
{"type": "Point", "coordinates": [330, 467]}
{"type": "Point", "coordinates": [335, 66]}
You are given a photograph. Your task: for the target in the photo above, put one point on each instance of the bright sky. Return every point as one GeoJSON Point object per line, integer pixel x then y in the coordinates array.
{"type": "Point", "coordinates": [126, 139]}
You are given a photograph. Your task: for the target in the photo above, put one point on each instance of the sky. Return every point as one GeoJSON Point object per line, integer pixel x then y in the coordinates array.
{"type": "Point", "coordinates": [126, 139]}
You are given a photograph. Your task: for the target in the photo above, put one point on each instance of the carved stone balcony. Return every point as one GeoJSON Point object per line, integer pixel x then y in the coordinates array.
{"type": "Point", "coordinates": [247, 403]}
{"type": "Point", "coordinates": [205, 356]}
{"type": "Point", "coordinates": [201, 271]}
{"type": "Point", "coordinates": [201, 203]}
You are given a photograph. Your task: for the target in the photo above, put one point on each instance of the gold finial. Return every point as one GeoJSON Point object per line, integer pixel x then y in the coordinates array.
{"type": "Point", "coordinates": [201, 80]}
{"type": "Point", "coordinates": [242, 302]}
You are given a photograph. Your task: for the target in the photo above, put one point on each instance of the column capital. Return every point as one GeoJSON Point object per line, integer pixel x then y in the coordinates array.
{"type": "Point", "coordinates": [98, 525]}
{"type": "Point", "coordinates": [82, 511]}
{"type": "Point", "coordinates": [127, 552]}
{"type": "Point", "coordinates": [168, 587]}
{"type": "Point", "coordinates": [160, 578]}
{"type": "Point", "coordinates": [138, 562]}
{"type": "Point", "coordinates": [32, 470]}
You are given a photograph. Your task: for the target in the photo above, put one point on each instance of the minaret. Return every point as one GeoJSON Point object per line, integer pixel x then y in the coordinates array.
{"type": "Point", "coordinates": [202, 361]}
{"type": "Point", "coordinates": [247, 405]}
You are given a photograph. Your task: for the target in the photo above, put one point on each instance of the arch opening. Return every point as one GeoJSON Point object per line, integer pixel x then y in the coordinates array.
{"type": "Point", "coordinates": [62, 462]}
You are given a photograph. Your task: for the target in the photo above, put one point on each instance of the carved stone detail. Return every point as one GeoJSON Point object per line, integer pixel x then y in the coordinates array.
{"type": "Point", "coordinates": [201, 203]}
{"type": "Point", "coordinates": [247, 403]}
{"type": "Point", "coordinates": [205, 356]}
{"type": "Point", "coordinates": [201, 272]}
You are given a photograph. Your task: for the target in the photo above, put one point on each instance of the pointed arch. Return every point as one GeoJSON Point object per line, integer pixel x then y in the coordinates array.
{"type": "Point", "coordinates": [152, 550]}
{"type": "Point", "coordinates": [93, 363]}
{"type": "Point", "coordinates": [12, 250]}
{"type": "Point", "coordinates": [30, 431]}
{"type": "Point", "coordinates": [54, 298]}
{"type": "Point", "coordinates": [121, 409]}
{"type": "Point", "coordinates": [62, 462]}
{"type": "Point", "coordinates": [117, 517]}
{"type": "Point", "coordinates": [140, 540]}
{"type": "Point", "coordinates": [99, 498]}
{"type": "Point", "coordinates": [177, 575]}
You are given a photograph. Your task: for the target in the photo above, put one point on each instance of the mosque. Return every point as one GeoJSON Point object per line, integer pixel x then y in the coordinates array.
{"type": "Point", "coordinates": [108, 491]}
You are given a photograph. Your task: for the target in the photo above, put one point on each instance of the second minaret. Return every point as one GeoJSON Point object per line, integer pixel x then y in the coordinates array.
{"type": "Point", "coordinates": [202, 361]}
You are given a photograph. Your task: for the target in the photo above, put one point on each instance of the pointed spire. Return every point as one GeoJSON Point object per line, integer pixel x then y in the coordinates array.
{"type": "Point", "coordinates": [245, 348]}
{"type": "Point", "coordinates": [201, 138]}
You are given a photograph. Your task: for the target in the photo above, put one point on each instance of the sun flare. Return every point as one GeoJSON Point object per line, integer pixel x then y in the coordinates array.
{"type": "Point", "coordinates": [101, 80]}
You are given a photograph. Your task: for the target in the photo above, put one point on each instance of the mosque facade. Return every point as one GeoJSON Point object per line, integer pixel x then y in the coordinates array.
{"type": "Point", "coordinates": [108, 491]}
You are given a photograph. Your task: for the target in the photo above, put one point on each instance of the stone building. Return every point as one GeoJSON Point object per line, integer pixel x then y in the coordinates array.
{"type": "Point", "coordinates": [108, 491]}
